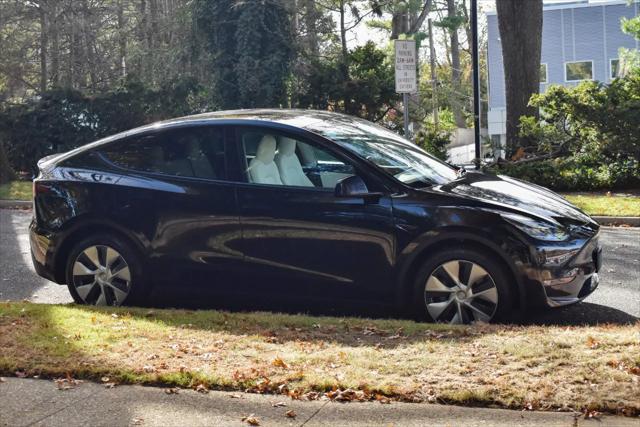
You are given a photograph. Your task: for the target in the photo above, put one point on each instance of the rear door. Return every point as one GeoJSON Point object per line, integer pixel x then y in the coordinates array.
{"type": "Point", "coordinates": [299, 237]}
{"type": "Point", "coordinates": [179, 191]}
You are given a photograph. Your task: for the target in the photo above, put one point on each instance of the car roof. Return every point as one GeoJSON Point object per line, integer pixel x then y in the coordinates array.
{"type": "Point", "coordinates": [291, 117]}
{"type": "Point", "coordinates": [296, 118]}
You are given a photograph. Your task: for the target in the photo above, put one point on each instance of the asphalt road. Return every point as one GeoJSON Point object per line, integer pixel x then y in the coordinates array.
{"type": "Point", "coordinates": [617, 299]}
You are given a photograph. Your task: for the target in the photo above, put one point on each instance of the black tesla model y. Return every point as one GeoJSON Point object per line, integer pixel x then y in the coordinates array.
{"type": "Point", "coordinates": [305, 204]}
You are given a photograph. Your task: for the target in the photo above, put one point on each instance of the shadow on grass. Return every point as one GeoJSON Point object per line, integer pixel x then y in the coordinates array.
{"type": "Point", "coordinates": [245, 351]}
{"type": "Point", "coordinates": [581, 314]}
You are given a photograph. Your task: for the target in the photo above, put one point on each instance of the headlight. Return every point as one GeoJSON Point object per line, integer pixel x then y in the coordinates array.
{"type": "Point", "coordinates": [540, 230]}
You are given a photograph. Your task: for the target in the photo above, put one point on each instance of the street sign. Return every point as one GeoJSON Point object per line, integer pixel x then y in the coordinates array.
{"type": "Point", "coordinates": [406, 66]}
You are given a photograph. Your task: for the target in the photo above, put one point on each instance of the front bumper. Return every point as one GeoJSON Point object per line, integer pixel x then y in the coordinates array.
{"type": "Point", "coordinates": [574, 279]}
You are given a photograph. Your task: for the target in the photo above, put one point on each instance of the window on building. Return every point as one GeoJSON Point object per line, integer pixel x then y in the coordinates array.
{"type": "Point", "coordinates": [614, 68]}
{"type": "Point", "coordinates": [543, 73]}
{"type": "Point", "coordinates": [578, 70]}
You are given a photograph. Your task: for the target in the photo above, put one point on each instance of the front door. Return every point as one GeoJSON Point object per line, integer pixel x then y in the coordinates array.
{"type": "Point", "coordinates": [297, 236]}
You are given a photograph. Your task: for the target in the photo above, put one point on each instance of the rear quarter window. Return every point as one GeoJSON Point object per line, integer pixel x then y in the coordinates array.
{"type": "Point", "coordinates": [191, 152]}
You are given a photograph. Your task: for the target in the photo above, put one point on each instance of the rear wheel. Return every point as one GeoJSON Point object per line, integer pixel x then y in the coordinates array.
{"type": "Point", "coordinates": [461, 286]}
{"type": "Point", "coordinates": [104, 270]}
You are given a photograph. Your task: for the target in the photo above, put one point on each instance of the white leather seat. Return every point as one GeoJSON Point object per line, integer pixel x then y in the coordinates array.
{"type": "Point", "coordinates": [262, 169]}
{"type": "Point", "coordinates": [289, 166]}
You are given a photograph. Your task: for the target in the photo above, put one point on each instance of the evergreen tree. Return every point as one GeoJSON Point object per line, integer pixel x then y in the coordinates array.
{"type": "Point", "coordinates": [250, 43]}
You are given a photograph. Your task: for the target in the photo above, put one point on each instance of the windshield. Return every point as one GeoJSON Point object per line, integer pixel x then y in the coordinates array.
{"type": "Point", "coordinates": [398, 157]}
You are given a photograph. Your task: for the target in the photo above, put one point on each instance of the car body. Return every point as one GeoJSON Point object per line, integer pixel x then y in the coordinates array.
{"type": "Point", "coordinates": [307, 203]}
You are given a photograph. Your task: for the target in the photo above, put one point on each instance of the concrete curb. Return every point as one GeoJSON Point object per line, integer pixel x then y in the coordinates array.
{"type": "Point", "coordinates": [15, 203]}
{"type": "Point", "coordinates": [633, 221]}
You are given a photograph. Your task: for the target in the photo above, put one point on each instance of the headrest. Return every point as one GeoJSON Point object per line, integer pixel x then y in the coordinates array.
{"type": "Point", "coordinates": [286, 146]}
{"type": "Point", "coordinates": [266, 149]}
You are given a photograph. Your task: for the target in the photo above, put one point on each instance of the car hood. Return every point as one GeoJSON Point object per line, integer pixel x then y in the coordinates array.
{"type": "Point", "coordinates": [505, 192]}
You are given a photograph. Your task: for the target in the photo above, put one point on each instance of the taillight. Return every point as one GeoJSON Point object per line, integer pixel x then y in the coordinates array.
{"type": "Point", "coordinates": [40, 188]}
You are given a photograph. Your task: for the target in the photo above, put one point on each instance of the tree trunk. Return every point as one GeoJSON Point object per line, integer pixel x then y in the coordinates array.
{"type": "Point", "coordinates": [344, 63]}
{"type": "Point", "coordinates": [310, 20]}
{"type": "Point", "coordinates": [456, 104]}
{"type": "Point", "coordinates": [416, 23]}
{"type": "Point", "coordinates": [153, 36]}
{"type": "Point", "coordinates": [142, 37]}
{"type": "Point", "coordinates": [55, 46]}
{"type": "Point", "coordinates": [88, 45]}
{"type": "Point", "coordinates": [43, 49]}
{"type": "Point", "coordinates": [399, 21]}
{"type": "Point", "coordinates": [122, 41]}
{"type": "Point", "coordinates": [520, 25]}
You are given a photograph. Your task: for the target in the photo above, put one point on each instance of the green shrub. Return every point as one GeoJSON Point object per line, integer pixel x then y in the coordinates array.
{"type": "Point", "coordinates": [590, 131]}
{"type": "Point", "coordinates": [576, 173]}
{"type": "Point", "coordinates": [434, 140]}
{"type": "Point", "coordinates": [61, 119]}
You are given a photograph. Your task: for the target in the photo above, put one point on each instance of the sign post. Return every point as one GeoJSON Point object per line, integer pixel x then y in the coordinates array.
{"type": "Point", "coordinates": [406, 81]}
{"type": "Point", "coordinates": [476, 80]}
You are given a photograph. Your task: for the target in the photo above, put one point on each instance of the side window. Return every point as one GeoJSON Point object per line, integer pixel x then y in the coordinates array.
{"type": "Point", "coordinates": [192, 152]}
{"type": "Point", "coordinates": [276, 159]}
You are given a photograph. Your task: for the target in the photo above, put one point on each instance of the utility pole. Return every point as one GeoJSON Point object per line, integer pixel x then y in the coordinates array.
{"type": "Point", "coordinates": [476, 79]}
{"type": "Point", "coordinates": [434, 76]}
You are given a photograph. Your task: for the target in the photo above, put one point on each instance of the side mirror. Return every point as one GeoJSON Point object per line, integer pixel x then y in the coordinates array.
{"type": "Point", "coordinates": [354, 186]}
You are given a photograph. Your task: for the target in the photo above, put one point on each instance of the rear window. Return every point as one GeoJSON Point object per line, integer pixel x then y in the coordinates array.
{"type": "Point", "coordinates": [193, 152]}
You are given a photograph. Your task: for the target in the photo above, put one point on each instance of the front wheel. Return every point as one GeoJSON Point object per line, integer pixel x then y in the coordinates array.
{"type": "Point", "coordinates": [461, 286]}
{"type": "Point", "coordinates": [105, 271]}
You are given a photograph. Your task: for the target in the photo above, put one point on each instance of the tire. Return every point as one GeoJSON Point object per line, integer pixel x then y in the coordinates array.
{"type": "Point", "coordinates": [457, 302]}
{"type": "Point", "coordinates": [105, 270]}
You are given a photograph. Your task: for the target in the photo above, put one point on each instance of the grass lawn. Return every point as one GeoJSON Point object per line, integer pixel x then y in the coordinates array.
{"type": "Point", "coordinates": [16, 190]}
{"type": "Point", "coordinates": [580, 368]}
{"type": "Point", "coordinates": [601, 204]}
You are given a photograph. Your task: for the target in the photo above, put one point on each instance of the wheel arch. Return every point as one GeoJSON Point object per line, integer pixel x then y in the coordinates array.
{"type": "Point", "coordinates": [412, 264]}
{"type": "Point", "coordinates": [84, 230]}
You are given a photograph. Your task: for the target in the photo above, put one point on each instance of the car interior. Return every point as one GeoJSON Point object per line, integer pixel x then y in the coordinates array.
{"type": "Point", "coordinates": [192, 154]}
{"type": "Point", "coordinates": [280, 160]}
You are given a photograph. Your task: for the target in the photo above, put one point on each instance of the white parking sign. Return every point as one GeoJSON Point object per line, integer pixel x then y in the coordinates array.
{"type": "Point", "coordinates": [406, 66]}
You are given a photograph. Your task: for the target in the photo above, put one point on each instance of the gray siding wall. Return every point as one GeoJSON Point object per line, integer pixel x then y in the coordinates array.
{"type": "Point", "coordinates": [571, 34]}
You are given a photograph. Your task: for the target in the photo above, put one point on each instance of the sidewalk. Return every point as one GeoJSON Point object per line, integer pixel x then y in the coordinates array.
{"type": "Point", "coordinates": [27, 402]}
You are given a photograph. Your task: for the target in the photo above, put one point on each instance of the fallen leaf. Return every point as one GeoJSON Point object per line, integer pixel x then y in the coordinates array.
{"type": "Point", "coordinates": [278, 404]}
{"type": "Point", "coordinates": [251, 420]}
{"type": "Point", "coordinates": [235, 396]}
{"type": "Point", "coordinates": [172, 390]}
{"type": "Point", "coordinates": [595, 415]}
{"type": "Point", "coordinates": [290, 413]}
{"type": "Point", "coordinates": [66, 383]}
{"type": "Point", "coordinates": [592, 343]}
{"type": "Point", "coordinates": [137, 421]}
{"type": "Point", "coordinates": [279, 363]}
{"type": "Point", "coordinates": [201, 388]}
{"type": "Point", "coordinates": [109, 385]}
{"type": "Point", "coordinates": [383, 399]}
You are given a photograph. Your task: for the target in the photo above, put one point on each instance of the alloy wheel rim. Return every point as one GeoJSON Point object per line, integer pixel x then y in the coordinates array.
{"type": "Point", "coordinates": [460, 292]}
{"type": "Point", "coordinates": [101, 276]}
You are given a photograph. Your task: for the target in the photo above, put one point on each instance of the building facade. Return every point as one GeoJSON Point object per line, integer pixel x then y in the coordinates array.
{"type": "Point", "coordinates": [580, 41]}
